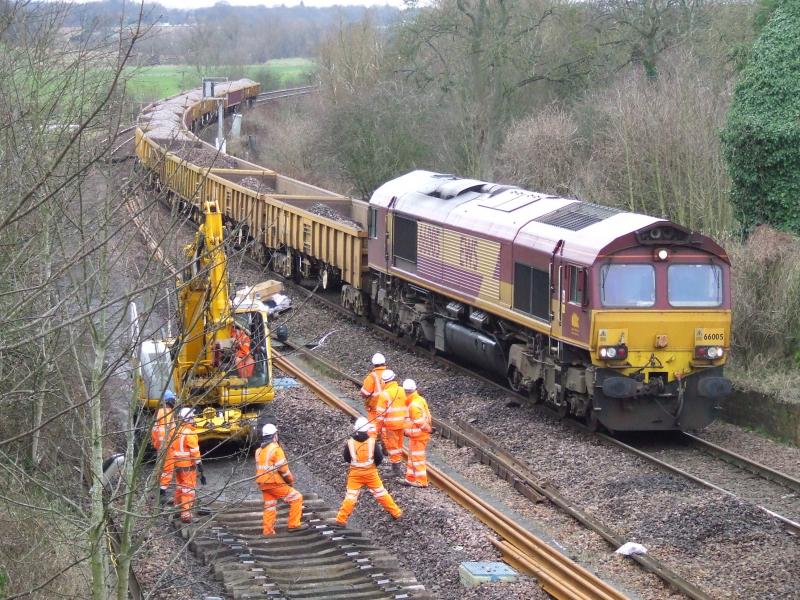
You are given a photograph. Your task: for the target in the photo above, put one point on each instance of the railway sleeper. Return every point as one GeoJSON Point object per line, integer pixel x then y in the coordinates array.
{"type": "Point", "coordinates": [332, 563]}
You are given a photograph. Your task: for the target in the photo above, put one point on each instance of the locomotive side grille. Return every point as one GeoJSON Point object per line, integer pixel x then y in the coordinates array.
{"type": "Point", "coordinates": [578, 215]}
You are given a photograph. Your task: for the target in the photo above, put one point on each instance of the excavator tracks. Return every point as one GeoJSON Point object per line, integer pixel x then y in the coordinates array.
{"type": "Point", "coordinates": [322, 561]}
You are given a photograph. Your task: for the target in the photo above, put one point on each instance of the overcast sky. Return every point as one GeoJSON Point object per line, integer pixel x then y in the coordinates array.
{"type": "Point", "coordinates": [202, 3]}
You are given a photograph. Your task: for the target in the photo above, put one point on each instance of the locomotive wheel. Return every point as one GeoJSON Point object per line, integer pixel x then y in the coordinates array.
{"type": "Point", "coordinates": [592, 419]}
{"type": "Point", "coordinates": [515, 380]}
{"type": "Point", "coordinates": [563, 409]}
{"type": "Point", "coordinates": [537, 393]}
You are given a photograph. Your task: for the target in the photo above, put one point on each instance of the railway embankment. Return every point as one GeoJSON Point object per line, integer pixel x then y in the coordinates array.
{"type": "Point", "coordinates": [764, 413]}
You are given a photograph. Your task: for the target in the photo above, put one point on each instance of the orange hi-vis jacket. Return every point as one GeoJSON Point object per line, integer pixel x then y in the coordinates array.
{"type": "Point", "coordinates": [372, 388]}
{"type": "Point", "coordinates": [271, 466]}
{"type": "Point", "coordinates": [162, 428]}
{"type": "Point", "coordinates": [245, 365]}
{"type": "Point", "coordinates": [184, 449]}
{"type": "Point", "coordinates": [362, 454]}
{"type": "Point", "coordinates": [419, 415]}
{"type": "Point", "coordinates": [392, 409]}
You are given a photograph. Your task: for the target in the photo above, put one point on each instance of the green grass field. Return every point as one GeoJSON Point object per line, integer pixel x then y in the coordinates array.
{"type": "Point", "coordinates": [145, 84]}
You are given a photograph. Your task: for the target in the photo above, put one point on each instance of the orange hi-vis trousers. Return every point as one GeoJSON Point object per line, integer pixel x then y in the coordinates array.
{"type": "Point", "coordinates": [417, 467]}
{"type": "Point", "coordinates": [372, 417]}
{"type": "Point", "coordinates": [167, 470]}
{"type": "Point", "coordinates": [356, 479]}
{"type": "Point", "coordinates": [185, 484]}
{"type": "Point", "coordinates": [271, 493]}
{"type": "Point", "coordinates": [393, 442]}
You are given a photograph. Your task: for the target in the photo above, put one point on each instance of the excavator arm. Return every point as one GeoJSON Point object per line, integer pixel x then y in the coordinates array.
{"type": "Point", "coordinates": [222, 355]}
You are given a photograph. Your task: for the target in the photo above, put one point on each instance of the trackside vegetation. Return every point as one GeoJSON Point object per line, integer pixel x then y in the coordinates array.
{"type": "Point", "coordinates": [762, 135]}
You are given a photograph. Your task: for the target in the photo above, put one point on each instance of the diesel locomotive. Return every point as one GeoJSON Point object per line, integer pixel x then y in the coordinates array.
{"type": "Point", "coordinates": [617, 318]}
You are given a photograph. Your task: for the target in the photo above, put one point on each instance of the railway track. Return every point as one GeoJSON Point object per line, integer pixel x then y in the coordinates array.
{"type": "Point", "coordinates": [559, 576]}
{"type": "Point", "coordinates": [724, 471]}
{"type": "Point", "coordinates": [304, 90]}
{"type": "Point", "coordinates": [321, 562]}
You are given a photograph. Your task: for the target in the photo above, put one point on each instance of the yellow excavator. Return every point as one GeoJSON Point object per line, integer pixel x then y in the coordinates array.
{"type": "Point", "coordinates": [220, 361]}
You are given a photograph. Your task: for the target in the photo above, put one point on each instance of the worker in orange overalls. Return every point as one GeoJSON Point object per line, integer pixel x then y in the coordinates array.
{"type": "Point", "coordinates": [245, 364]}
{"type": "Point", "coordinates": [161, 436]}
{"type": "Point", "coordinates": [184, 453]}
{"type": "Point", "coordinates": [391, 419]}
{"type": "Point", "coordinates": [364, 455]}
{"type": "Point", "coordinates": [276, 480]}
{"type": "Point", "coordinates": [418, 432]}
{"type": "Point", "coordinates": [373, 386]}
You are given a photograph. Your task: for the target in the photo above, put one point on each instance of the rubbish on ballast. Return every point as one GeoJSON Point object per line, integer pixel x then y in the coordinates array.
{"type": "Point", "coordinates": [631, 548]}
{"type": "Point", "coordinates": [284, 382]}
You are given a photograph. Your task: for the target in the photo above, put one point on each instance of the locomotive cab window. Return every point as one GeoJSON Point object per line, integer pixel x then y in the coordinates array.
{"type": "Point", "coordinates": [694, 285]}
{"type": "Point", "coordinates": [576, 284]}
{"type": "Point", "coordinates": [372, 223]}
{"type": "Point", "coordinates": [404, 240]}
{"type": "Point", "coordinates": [627, 286]}
{"type": "Point", "coordinates": [532, 291]}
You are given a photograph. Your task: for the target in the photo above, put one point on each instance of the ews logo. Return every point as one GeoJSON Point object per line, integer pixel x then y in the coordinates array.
{"type": "Point", "coordinates": [468, 253]}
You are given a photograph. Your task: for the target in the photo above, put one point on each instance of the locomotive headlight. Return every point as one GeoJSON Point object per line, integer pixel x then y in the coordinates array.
{"type": "Point", "coordinates": [619, 352]}
{"type": "Point", "coordinates": [709, 352]}
{"type": "Point", "coordinates": [662, 254]}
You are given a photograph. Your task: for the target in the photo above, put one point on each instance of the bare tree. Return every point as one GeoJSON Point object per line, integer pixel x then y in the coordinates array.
{"type": "Point", "coordinates": [63, 298]}
{"type": "Point", "coordinates": [645, 28]}
{"type": "Point", "coordinates": [482, 55]}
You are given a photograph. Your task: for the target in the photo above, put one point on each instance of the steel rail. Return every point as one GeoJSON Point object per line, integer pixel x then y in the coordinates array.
{"type": "Point", "coordinates": [559, 576]}
{"type": "Point", "coordinates": [743, 462]}
{"type": "Point", "coordinates": [793, 525]}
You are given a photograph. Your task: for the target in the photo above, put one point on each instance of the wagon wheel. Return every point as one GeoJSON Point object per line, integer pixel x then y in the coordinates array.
{"type": "Point", "coordinates": [592, 418]}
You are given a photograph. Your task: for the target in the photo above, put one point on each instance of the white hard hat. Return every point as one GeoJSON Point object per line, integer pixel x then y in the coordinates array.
{"type": "Point", "coordinates": [186, 414]}
{"type": "Point", "coordinates": [387, 375]}
{"type": "Point", "coordinates": [361, 424]}
{"type": "Point", "coordinates": [268, 430]}
{"type": "Point", "coordinates": [378, 359]}
{"type": "Point", "coordinates": [409, 385]}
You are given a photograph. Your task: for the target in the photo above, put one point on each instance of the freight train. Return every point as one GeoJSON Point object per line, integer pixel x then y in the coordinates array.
{"type": "Point", "coordinates": [617, 318]}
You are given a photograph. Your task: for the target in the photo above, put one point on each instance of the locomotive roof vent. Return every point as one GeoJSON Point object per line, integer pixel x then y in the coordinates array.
{"type": "Point", "coordinates": [578, 215]}
{"type": "Point", "coordinates": [451, 189]}
{"type": "Point", "coordinates": [663, 233]}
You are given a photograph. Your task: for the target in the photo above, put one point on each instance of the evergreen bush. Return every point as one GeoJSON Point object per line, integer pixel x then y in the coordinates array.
{"type": "Point", "coordinates": [762, 137]}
